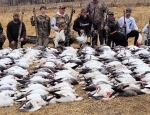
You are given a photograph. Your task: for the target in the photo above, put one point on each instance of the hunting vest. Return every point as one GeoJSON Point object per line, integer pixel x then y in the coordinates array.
{"type": "Point", "coordinates": [62, 21]}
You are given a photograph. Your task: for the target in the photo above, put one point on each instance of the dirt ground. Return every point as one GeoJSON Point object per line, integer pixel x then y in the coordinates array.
{"type": "Point", "coordinates": [138, 105]}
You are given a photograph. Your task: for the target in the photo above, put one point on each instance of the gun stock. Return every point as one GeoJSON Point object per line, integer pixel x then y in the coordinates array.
{"type": "Point", "coordinates": [20, 29]}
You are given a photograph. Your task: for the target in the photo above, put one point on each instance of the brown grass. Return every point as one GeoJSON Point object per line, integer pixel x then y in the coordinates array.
{"type": "Point", "coordinates": [138, 105]}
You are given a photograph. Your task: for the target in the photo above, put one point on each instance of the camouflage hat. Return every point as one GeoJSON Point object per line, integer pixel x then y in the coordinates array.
{"type": "Point", "coordinates": [16, 14]}
{"type": "Point", "coordinates": [83, 10]}
{"type": "Point", "coordinates": [62, 6]}
{"type": "Point", "coordinates": [110, 13]}
{"type": "Point", "coordinates": [128, 10]}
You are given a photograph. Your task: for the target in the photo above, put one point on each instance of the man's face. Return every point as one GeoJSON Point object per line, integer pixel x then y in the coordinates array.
{"type": "Point", "coordinates": [16, 18]}
{"type": "Point", "coordinates": [43, 11]}
{"type": "Point", "coordinates": [128, 13]}
{"type": "Point", "coordinates": [111, 16]}
{"type": "Point", "coordinates": [84, 14]}
{"type": "Point", "coordinates": [62, 10]}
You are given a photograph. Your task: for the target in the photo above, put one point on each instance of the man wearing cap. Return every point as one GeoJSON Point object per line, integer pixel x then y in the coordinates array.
{"type": "Point", "coordinates": [43, 27]}
{"type": "Point", "coordinates": [111, 29]}
{"type": "Point", "coordinates": [96, 10]}
{"type": "Point", "coordinates": [13, 31]}
{"type": "Point", "coordinates": [60, 20]}
{"type": "Point", "coordinates": [83, 23]}
{"type": "Point", "coordinates": [130, 25]}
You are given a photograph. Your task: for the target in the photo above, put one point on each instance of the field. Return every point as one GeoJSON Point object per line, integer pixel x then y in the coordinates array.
{"type": "Point", "coordinates": [138, 105]}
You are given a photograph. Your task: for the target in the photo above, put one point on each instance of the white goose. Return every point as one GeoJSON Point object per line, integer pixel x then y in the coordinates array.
{"type": "Point", "coordinates": [82, 39]}
{"type": "Point", "coordinates": [59, 36]}
{"type": "Point", "coordinates": [65, 96]}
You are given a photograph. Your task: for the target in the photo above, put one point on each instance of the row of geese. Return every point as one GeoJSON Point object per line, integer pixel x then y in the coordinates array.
{"type": "Point", "coordinates": [103, 72]}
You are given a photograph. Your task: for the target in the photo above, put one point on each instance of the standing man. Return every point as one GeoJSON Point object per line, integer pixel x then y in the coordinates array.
{"type": "Point", "coordinates": [2, 37]}
{"type": "Point", "coordinates": [13, 31]}
{"type": "Point", "coordinates": [43, 27]}
{"type": "Point", "coordinates": [146, 31]}
{"type": "Point", "coordinates": [111, 31]}
{"type": "Point", "coordinates": [83, 23]}
{"type": "Point", "coordinates": [129, 24]}
{"type": "Point", "coordinates": [60, 22]}
{"type": "Point", "coordinates": [96, 9]}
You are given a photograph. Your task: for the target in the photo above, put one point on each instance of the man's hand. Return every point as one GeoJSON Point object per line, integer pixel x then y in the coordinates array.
{"type": "Point", "coordinates": [82, 31]}
{"type": "Point", "coordinates": [106, 27]}
{"type": "Point", "coordinates": [13, 43]}
{"type": "Point", "coordinates": [58, 30]}
{"type": "Point", "coordinates": [92, 29]}
{"type": "Point", "coordinates": [21, 39]}
{"type": "Point", "coordinates": [148, 26]}
{"type": "Point", "coordinates": [124, 25]}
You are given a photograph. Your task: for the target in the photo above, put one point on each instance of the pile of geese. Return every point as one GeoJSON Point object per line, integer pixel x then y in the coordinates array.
{"type": "Point", "coordinates": [38, 76]}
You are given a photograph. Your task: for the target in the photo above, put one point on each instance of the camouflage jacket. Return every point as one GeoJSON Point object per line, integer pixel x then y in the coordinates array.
{"type": "Point", "coordinates": [96, 10]}
{"type": "Point", "coordinates": [2, 36]}
{"type": "Point", "coordinates": [43, 25]}
{"type": "Point", "coordinates": [113, 25]}
{"type": "Point", "coordinates": [62, 21]}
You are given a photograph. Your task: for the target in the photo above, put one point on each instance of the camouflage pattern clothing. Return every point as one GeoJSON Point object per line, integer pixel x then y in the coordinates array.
{"type": "Point", "coordinates": [96, 12]}
{"type": "Point", "coordinates": [113, 26]}
{"type": "Point", "coordinates": [62, 21]}
{"type": "Point", "coordinates": [2, 36]}
{"type": "Point", "coordinates": [43, 28]}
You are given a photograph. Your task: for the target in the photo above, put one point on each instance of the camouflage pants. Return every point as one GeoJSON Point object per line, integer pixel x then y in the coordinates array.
{"type": "Point", "coordinates": [99, 32]}
{"type": "Point", "coordinates": [43, 41]}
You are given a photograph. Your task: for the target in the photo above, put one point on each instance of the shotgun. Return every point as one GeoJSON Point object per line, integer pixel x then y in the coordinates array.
{"type": "Point", "coordinates": [66, 43]}
{"type": "Point", "coordinates": [107, 29]}
{"type": "Point", "coordinates": [147, 42]}
{"type": "Point", "coordinates": [20, 29]}
{"type": "Point", "coordinates": [35, 23]}
{"type": "Point", "coordinates": [125, 31]}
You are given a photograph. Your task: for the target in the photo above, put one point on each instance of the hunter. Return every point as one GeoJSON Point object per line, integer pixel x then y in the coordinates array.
{"type": "Point", "coordinates": [43, 27]}
{"type": "Point", "coordinates": [96, 10]}
{"type": "Point", "coordinates": [111, 31]}
{"type": "Point", "coordinates": [13, 31]}
{"type": "Point", "coordinates": [60, 22]}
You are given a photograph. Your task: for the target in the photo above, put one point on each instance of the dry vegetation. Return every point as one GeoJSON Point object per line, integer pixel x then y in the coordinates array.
{"type": "Point", "coordinates": [138, 105]}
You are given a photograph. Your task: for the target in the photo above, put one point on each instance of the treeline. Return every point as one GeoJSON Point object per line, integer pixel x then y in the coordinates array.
{"type": "Point", "coordinates": [23, 2]}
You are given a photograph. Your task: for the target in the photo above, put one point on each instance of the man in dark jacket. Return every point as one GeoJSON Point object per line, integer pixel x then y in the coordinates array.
{"type": "Point", "coordinates": [111, 31]}
{"type": "Point", "coordinates": [2, 37]}
{"type": "Point", "coordinates": [83, 23]}
{"type": "Point", "coordinates": [13, 31]}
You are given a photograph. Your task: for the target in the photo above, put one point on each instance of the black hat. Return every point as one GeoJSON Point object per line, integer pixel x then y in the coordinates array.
{"type": "Point", "coordinates": [43, 7]}
{"type": "Point", "coordinates": [128, 10]}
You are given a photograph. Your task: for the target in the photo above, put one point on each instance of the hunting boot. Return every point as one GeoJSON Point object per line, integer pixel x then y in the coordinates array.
{"type": "Point", "coordinates": [1, 45]}
{"type": "Point", "coordinates": [94, 41]}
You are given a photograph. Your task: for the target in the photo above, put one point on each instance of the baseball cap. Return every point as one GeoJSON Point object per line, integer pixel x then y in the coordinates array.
{"type": "Point", "coordinates": [128, 10]}
{"type": "Point", "coordinates": [62, 6]}
{"type": "Point", "coordinates": [16, 14]}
